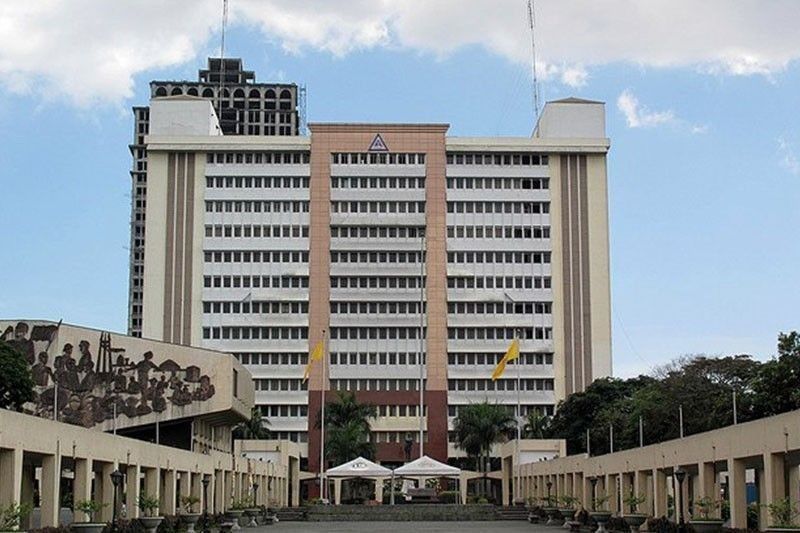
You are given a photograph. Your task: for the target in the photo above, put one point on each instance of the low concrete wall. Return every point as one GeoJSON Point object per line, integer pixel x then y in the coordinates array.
{"type": "Point", "coordinates": [400, 513]}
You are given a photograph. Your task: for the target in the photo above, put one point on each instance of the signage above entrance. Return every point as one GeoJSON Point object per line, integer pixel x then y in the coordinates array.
{"type": "Point", "coordinates": [377, 144]}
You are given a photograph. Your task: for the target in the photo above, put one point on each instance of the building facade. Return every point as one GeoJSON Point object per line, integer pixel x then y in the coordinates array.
{"type": "Point", "coordinates": [242, 106]}
{"type": "Point", "coordinates": [416, 257]}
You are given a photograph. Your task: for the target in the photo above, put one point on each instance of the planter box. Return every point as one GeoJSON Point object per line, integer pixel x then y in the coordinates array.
{"type": "Point", "coordinates": [151, 523]}
{"type": "Point", "coordinates": [87, 527]}
{"type": "Point", "coordinates": [634, 521]}
{"type": "Point", "coordinates": [706, 526]}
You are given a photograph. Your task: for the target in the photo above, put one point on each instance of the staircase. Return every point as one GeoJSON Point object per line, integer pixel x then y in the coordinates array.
{"type": "Point", "coordinates": [291, 514]}
{"type": "Point", "coordinates": [511, 512]}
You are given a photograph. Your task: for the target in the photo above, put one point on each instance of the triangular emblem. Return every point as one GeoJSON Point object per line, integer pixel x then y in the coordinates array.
{"type": "Point", "coordinates": [377, 144]}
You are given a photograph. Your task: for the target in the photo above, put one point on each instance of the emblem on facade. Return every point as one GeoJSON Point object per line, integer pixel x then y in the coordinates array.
{"type": "Point", "coordinates": [377, 144]}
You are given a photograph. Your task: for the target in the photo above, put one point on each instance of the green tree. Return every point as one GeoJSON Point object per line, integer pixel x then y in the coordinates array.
{"type": "Point", "coordinates": [536, 425]}
{"type": "Point", "coordinates": [347, 429]}
{"type": "Point", "coordinates": [16, 382]}
{"type": "Point", "coordinates": [776, 389]}
{"type": "Point", "coordinates": [478, 426]}
{"type": "Point", "coordinates": [254, 428]}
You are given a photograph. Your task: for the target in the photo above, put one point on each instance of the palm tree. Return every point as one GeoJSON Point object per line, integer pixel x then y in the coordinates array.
{"type": "Point", "coordinates": [478, 427]}
{"type": "Point", "coordinates": [347, 429]}
{"type": "Point", "coordinates": [536, 425]}
{"type": "Point", "coordinates": [254, 428]}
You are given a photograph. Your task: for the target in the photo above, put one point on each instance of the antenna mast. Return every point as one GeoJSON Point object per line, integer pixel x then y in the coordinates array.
{"type": "Point", "coordinates": [532, 25]}
{"type": "Point", "coordinates": [222, 55]}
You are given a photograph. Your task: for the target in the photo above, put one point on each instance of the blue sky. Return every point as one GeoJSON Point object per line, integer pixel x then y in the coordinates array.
{"type": "Point", "coordinates": [703, 171]}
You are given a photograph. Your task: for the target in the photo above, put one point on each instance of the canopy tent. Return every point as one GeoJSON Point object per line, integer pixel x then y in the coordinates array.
{"type": "Point", "coordinates": [358, 467]}
{"type": "Point", "coordinates": [425, 467]}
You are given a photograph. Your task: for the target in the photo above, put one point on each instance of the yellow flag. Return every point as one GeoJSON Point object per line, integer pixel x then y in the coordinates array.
{"type": "Point", "coordinates": [315, 355]}
{"type": "Point", "coordinates": [511, 354]}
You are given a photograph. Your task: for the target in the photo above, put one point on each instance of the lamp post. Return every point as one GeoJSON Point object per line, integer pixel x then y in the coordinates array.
{"type": "Point", "coordinates": [255, 494]}
{"type": "Point", "coordinates": [205, 481]}
{"type": "Point", "coordinates": [593, 481]}
{"type": "Point", "coordinates": [680, 475]}
{"type": "Point", "coordinates": [549, 485]}
{"type": "Point", "coordinates": [116, 480]}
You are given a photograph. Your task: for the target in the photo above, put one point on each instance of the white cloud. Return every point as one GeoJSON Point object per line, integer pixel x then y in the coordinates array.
{"type": "Point", "coordinates": [89, 50]}
{"type": "Point", "coordinates": [639, 116]}
{"type": "Point", "coordinates": [788, 156]}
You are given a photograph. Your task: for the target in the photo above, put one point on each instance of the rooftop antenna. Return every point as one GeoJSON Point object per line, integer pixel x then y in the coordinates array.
{"type": "Point", "coordinates": [532, 25]}
{"type": "Point", "coordinates": [302, 102]}
{"type": "Point", "coordinates": [222, 54]}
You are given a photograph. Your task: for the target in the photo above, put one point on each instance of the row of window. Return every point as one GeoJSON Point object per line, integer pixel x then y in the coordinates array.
{"type": "Point", "coordinates": [373, 158]}
{"type": "Point", "coordinates": [272, 358]}
{"type": "Point", "coordinates": [375, 358]}
{"type": "Point", "coordinates": [503, 384]}
{"type": "Point", "coordinates": [542, 410]}
{"type": "Point", "coordinates": [469, 333]}
{"type": "Point", "coordinates": [376, 384]}
{"type": "Point", "coordinates": [364, 333]}
{"type": "Point", "coordinates": [376, 182]}
{"type": "Point", "coordinates": [257, 182]}
{"type": "Point", "coordinates": [498, 183]}
{"type": "Point", "coordinates": [377, 282]}
{"type": "Point", "coordinates": [283, 411]}
{"type": "Point", "coordinates": [499, 282]}
{"type": "Point", "coordinates": [471, 359]}
{"type": "Point", "coordinates": [294, 436]}
{"type": "Point", "coordinates": [246, 282]}
{"type": "Point", "coordinates": [377, 232]}
{"type": "Point", "coordinates": [256, 256]}
{"type": "Point", "coordinates": [255, 333]}
{"type": "Point", "coordinates": [498, 232]}
{"type": "Point", "coordinates": [383, 258]}
{"type": "Point", "coordinates": [392, 411]}
{"type": "Point", "coordinates": [498, 207]}
{"type": "Point", "coordinates": [523, 258]}
{"type": "Point", "coordinates": [499, 308]}
{"type": "Point", "coordinates": [373, 308]}
{"type": "Point", "coordinates": [396, 436]}
{"type": "Point", "coordinates": [280, 384]}
{"type": "Point", "coordinates": [377, 207]}
{"type": "Point", "coordinates": [502, 159]}
{"type": "Point", "coordinates": [262, 307]}
{"type": "Point", "coordinates": [256, 231]}
{"type": "Point", "coordinates": [256, 206]}
{"type": "Point", "coordinates": [258, 158]}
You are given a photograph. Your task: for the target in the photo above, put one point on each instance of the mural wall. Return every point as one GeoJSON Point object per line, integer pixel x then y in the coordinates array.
{"type": "Point", "coordinates": [88, 383]}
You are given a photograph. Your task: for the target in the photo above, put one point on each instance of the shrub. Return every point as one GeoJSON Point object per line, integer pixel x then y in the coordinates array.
{"type": "Point", "coordinates": [89, 507]}
{"type": "Point", "coordinates": [783, 512]}
{"type": "Point", "coordinates": [13, 515]}
{"type": "Point", "coordinates": [147, 504]}
{"type": "Point", "coordinates": [189, 502]}
{"type": "Point", "coordinates": [448, 496]}
{"type": "Point", "coordinates": [661, 525]}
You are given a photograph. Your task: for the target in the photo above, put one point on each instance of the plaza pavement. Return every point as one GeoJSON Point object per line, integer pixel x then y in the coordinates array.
{"type": "Point", "coordinates": [512, 526]}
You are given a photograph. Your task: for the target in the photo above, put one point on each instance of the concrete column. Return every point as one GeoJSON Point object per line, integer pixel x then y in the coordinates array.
{"type": "Point", "coordinates": [462, 487]}
{"type": "Point", "coordinates": [738, 495]}
{"type": "Point", "coordinates": [152, 483]}
{"type": "Point", "coordinates": [627, 488]}
{"type": "Point", "coordinates": [49, 490]}
{"type": "Point", "coordinates": [706, 485]}
{"type": "Point", "coordinates": [27, 491]}
{"type": "Point", "coordinates": [685, 497]}
{"type": "Point", "coordinates": [640, 489]}
{"type": "Point", "coordinates": [132, 491]}
{"type": "Point", "coordinates": [227, 493]}
{"type": "Point", "coordinates": [184, 488]}
{"type": "Point", "coordinates": [10, 476]}
{"type": "Point", "coordinates": [379, 490]}
{"type": "Point", "coordinates": [612, 481]}
{"type": "Point", "coordinates": [568, 487]}
{"type": "Point", "coordinates": [772, 486]}
{"type": "Point", "coordinates": [505, 485]}
{"type": "Point", "coordinates": [106, 492]}
{"type": "Point", "coordinates": [644, 487]}
{"type": "Point", "coordinates": [659, 493]}
{"type": "Point", "coordinates": [218, 491]}
{"type": "Point", "coordinates": [794, 483]}
{"type": "Point", "coordinates": [82, 485]}
{"type": "Point", "coordinates": [167, 499]}
{"type": "Point", "coordinates": [196, 490]}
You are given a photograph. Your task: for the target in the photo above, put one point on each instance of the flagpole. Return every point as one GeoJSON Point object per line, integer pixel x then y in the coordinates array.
{"type": "Point", "coordinates": [323, 484]}
{"type": "Point", "coordinates": [519, 415]}
{"type": "Point", "coordinates": [421, 340]}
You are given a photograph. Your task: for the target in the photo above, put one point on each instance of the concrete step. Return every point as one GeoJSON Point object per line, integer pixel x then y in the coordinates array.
{"type": "Point", "coordinates": [514, 512]}
{"type": "Point", "coordinates": [291, 514]}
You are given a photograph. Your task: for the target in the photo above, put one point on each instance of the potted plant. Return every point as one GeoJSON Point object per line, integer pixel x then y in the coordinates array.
{"type": "Point", "coordinates": [568, 508]}
{"type": "Point", "coordinates": [704, 522]}
{"type": "Point", "coordinates": [189, 516]}
{"type": "Point", "coordinates": [599, 514]}
{"type": "Point", "coordinates": [782, 515]}
{"type": "Point", "coordinates": [11, 517]}
{"type": "Point", "coordinates": [634, 519]}
{"type": "Point", "coordinates": [550, 508]}
{"type": "Point", "coordinates": [149, 505]}
{"type": "Point", "coordinates": [89, 508]}
{"type": "Point", "coordinates": [235, 512]}
{"type": "Point", "coordinates": [533, 515]}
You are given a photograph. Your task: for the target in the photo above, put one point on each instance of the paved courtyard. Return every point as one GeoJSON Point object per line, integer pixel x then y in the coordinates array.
{"type": "Point", "coordinates": [403, 527]}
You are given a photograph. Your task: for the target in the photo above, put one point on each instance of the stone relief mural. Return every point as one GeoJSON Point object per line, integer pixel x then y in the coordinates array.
{"type": "Point", "coordinates": [88, 384]}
